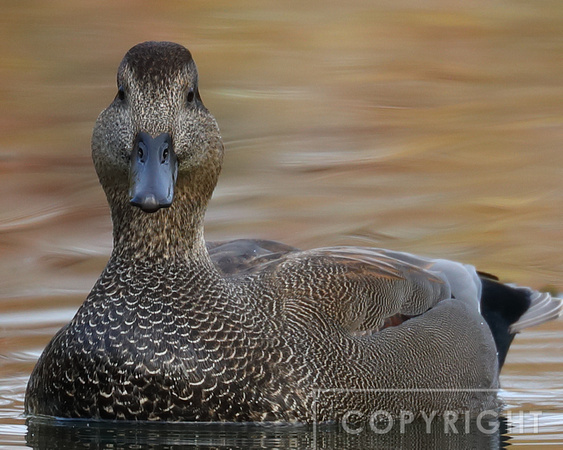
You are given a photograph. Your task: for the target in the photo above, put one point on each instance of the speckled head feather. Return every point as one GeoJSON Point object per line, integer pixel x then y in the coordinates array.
{"type": "Point", "coordinates": [254, 330]}
{"type": "Point", "coordinates": [154, 62]}
{"type": "Point", "coordinates": [158, 93]}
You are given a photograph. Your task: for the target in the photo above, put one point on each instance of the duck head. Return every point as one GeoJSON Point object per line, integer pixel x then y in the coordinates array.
{"type": "Point", "coordinates": [156, 132]}
{"type": "Point", "coordinates": [156, 148]}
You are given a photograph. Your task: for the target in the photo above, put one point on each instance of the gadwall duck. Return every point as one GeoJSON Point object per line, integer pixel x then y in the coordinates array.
{"type": "Point", "coordinates": [178, 330]}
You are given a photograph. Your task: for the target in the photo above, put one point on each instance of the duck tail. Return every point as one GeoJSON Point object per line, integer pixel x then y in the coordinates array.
{"type": "Point", "coordinates": [508, 309]}
{"type": "Point", "coordinates": [543, 308]}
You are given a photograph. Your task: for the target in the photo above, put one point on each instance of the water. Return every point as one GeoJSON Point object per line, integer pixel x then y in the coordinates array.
{"type": "Point", "coordinates": [433, 129]}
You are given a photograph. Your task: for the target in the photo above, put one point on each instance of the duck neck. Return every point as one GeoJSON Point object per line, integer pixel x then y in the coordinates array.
{"type": "Point", "coordinates": [167, 236]}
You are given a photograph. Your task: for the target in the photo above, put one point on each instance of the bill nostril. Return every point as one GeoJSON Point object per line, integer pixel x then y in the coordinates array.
{"type": "Point", "coordinates": [142, 152]}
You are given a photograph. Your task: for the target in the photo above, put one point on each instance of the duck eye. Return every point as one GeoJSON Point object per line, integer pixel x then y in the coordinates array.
{"type": "Point", "coordinates": [121, 93]}
{"type": "Point", "coordinates": [191, 96]}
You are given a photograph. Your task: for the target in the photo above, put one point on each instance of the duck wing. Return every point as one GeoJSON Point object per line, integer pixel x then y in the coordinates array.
{"type": "Point", "coordinates": [377, 288]}
{"type": "Point", "coordinates": [361, 289]}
